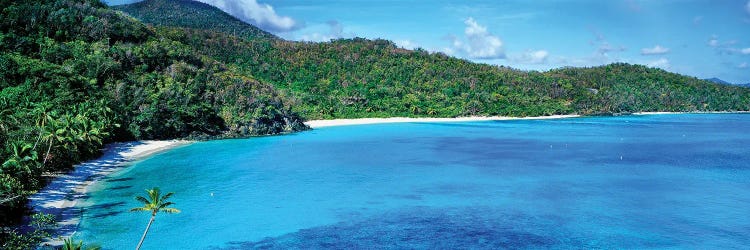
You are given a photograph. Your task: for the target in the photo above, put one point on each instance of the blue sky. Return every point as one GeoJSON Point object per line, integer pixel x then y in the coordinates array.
{"type": "Point", "coordinates": [709, 38]}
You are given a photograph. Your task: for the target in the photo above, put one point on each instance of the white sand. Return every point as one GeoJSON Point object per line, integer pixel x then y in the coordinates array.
{"type": "Point", "coordinates": [657, 113]}
{"type": "Point", "coordinates": [60, 197]}
{"type": "Point", "coordinates": [361, 121]}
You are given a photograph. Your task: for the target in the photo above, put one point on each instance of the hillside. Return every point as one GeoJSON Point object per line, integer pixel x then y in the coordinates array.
{"type": "Point", "coordinates": [75, 75]}
{"type": "Point", "coordinates": [719, 81]}
{"type": "Point", "coordinates": [350, 78]}
{"type": "Point", "coordinates": [191, 14]}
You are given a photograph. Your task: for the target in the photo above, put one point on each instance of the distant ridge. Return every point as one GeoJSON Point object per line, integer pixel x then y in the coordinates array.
{"type": "Point", "coordinates": [719, 81]}
{"type": "Point", "coordinates": [358, 78]}
{"type": "Point", "coordinates": [191, 14]}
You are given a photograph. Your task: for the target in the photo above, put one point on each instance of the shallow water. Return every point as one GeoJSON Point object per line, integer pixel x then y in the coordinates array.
{"type": "Point", "coordinates": [661, 181]}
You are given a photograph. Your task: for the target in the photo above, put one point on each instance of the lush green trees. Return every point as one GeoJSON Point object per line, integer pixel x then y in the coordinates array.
{"type": "Point", "coordinates": [75, 75]}
{"type": "Point", "coordinates": [69, 244]}
{"type": "Point", "coordinates": [350, 78]}
{"type": "Point", "coordinates": [40, 226]}
{"type": "Point", "coordinates": [192, 14]}
{"type": "Point", "coordinates": [155, 203]}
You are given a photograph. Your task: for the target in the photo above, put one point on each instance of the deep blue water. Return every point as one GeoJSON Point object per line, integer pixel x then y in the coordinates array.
{"type": "Point", "coordinates": [660, 181]}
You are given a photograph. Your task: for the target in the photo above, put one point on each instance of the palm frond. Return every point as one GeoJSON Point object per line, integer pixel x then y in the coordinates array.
{"type": "Point", "coordinates": [139, 209]}
{"type": "Point", "coordinates": [156, 203]}
{"type": "Point", "coordinates": [143, 199]}
{"type": "Point", "coordinates": [153, 194]}
{"type": "Point", "coordinates": [166, 196]}
{"type": "Point", "coordinates": [166, 204]}
{"type": "Point", "coordinates": [170, 210]}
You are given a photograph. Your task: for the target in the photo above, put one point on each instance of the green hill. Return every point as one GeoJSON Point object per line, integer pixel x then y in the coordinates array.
{"type": "Point", "coordinates": [191, 14]}
{"type": "Point", "coordinates": [350, 78]}
{"type": "Point", "coordinates": [75, 75]}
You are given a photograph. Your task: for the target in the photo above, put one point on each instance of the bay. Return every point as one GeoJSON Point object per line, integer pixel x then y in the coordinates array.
{"type": "Point", "coordinates": [656, 181]}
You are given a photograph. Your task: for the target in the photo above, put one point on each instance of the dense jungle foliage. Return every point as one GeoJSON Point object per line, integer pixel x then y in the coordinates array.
{"type": "Point", "coordinates": [75, 75]}
{"type": "Point", "coordinates": [349, 78]}
{"type": "Point", "coordinates": [191, 14]}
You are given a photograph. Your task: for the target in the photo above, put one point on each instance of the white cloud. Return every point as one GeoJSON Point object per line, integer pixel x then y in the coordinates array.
{"type": "Point", "coordinates": [742, 65]}
{"type": "Point", "coordinates": [448, 51]}
{"type": "Point", "coordinates": [747, 7]}
{"type": "Point", "coordinates": [713, 42]}
{"type": "Point", "coordinates": [259, 14]}
{"type": "Point", "coordinates": [336, 31]}
{"type": "Point", "coordinates": [316, 37]}
{"type": "Point", "coordinates": [603, 48]}
{"type": "Point", "coordinates": [603, 53]}
{"type": "Point", "coordinates": [662, 63]}
{"type": "Point", "coordinates": [726, 48]}
{"type": "Point", "coordinates": [656, 50]}
{"type": "Point", "coordinates": [480, 44]}
{"type": "Point", "coordinates": [406, 44]}
{"type": "Point", "coordinates": [532, 57]}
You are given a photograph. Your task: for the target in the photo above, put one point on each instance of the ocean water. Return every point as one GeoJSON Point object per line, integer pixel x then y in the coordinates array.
{"type": "Point", "coordinates": [658, 181]}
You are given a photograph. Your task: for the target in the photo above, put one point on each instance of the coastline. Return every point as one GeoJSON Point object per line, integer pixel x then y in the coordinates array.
{"type": "Point", "coordinates": [64, 192]}
{"type": "Point", "coordinates": [61, 196]}
{"type": "Point", "coordinates": [364, 121]}
{"type": "Point", "coordinates": [694, 112]}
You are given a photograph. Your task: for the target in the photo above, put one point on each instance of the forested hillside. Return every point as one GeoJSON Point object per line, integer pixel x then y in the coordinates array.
{"type": "Point", "coordinates": [349, 78]}
{"type": "Point", "coordinates": [192, 14]}
{"type": "Point", "coordinates": [75, 74]}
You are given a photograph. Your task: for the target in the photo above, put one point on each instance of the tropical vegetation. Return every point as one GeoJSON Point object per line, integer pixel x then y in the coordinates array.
{"type": "Point", "coordinates": [76, 74]}
{"type": "Point", "coordinates": [70, 244]}
{"type": "Point", "coordinates": [155, 203]}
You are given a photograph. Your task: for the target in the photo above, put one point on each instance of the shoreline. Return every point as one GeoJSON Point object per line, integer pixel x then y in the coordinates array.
{"type": "Point", "coordinates": [695, 112]}
{"type": "Point", "coordinates": [62, 195]}
{"type": "Point", "coordinates": [365, 121]}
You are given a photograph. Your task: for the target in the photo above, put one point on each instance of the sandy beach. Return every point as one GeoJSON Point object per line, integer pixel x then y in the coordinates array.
{"type": "Point", "coordinates": [362, 121]}
{"type": "Point", "coordinates": [658, 113]}
{"type": "Point", "coordinates": [62, 195]}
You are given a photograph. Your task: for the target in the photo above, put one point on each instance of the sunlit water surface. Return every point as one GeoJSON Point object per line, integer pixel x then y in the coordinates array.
{"type": "Point", "coordinates": [661, 181]}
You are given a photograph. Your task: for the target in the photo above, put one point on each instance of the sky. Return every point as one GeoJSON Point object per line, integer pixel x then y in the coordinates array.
{"type": "Point", "coordinates": [701, 38]}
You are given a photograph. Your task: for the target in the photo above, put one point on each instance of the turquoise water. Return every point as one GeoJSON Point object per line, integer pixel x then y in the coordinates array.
{"type": "Point", "coordinates": [661, 181]}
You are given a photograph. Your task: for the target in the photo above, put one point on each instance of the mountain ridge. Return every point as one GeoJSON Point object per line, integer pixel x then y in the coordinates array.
{"type": "Point", "coordinates": [717, 80]}
{"type": "Point", "coordinates": [75, 75]}
{"type": "Point", "coordinates": [182, 13]}
{"type": "Point", "coordinates": [720, 81]}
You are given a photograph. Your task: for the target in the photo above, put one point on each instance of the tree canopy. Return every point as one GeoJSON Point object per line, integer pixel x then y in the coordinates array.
{"type": "Point", "coordinates": [75, 74]}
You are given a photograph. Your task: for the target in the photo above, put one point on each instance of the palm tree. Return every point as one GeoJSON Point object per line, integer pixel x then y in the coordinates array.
{"type": "Point", "coordinates": [7, 121]}
{"type": "Point", "coordinates": [154, 204]}
{"type": "Point", "coordinates": [69, 244]}
{"type": "Point", "coordinates": [22, 161]}
{"type": "Point", "coordinates": [41, 122]}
